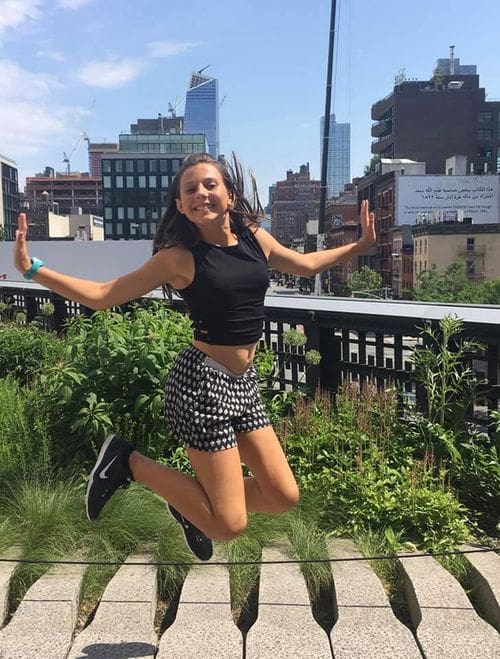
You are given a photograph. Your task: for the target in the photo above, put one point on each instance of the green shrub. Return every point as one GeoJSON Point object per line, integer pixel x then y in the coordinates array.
{"type": "Point", "coordinates": [112, 376]}
{"type": "Point", "coordinates": [25, 350]}
{"type": "Point", "coordinates": [24, 437]}
{"type": "Point", "coordinates": [352, 455]}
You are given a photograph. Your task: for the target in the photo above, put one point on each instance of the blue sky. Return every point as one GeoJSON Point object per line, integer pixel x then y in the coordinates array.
{"type": "Point", "coordinates": [74, 66]}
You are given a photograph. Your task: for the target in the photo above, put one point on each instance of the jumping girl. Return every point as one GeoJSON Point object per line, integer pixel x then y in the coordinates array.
{"type": "Point", "coordinates": [210, 249]}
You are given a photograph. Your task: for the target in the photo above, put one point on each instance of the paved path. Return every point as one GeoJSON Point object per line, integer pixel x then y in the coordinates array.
{"type": "Point", "coordinates": [444, 623]}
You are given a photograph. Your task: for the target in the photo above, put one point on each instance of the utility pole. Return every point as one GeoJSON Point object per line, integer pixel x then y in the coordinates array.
{"type": "Point", "coordinates": [326, 136]}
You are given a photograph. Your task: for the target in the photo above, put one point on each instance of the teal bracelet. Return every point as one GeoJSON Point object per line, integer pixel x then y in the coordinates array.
{"type": "Point", "coordinates": [35, 265]}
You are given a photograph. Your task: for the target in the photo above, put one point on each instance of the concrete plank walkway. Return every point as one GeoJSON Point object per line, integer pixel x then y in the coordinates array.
{"type": "Point", "coordinates": [366, 625]}
{"type": "Point", "coordinates": [444, 621]}
{"type": "Point", "coordinates": [6, 572]}
{"type": "Point", "coordinates": [285, 626]}
{"type": "Point", "coordinates": [204, 622]}
{"type": "Point", "coordinates": [44, 622]}
{"type": "Point", "coordinates": [447, 626]}
{"type": "Point", "coordinates": [485, 577]}
{"type": "Point", "coordinates": [123, 623]}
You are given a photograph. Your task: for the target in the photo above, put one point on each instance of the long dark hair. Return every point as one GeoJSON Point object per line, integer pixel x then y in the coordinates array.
{"type": "Point", "coordinates": [176, 229]}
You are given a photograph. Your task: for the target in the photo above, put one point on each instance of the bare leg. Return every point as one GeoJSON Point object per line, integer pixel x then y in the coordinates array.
{"type": "Point", "coordinates": [214, 501]}
{"type": "Point", "coordinates": [272, 488]}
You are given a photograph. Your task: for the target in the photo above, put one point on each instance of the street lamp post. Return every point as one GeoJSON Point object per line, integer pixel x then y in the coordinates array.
{"type": "Point", "coordinates": [326, 136]}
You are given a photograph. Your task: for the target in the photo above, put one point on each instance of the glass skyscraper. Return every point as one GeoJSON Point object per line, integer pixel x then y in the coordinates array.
{"type": "Point", "coordinates": [201, 114]}
{"type": "Point", "coordinates": [339, 156]}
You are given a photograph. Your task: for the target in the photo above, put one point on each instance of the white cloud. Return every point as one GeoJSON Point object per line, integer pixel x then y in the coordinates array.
{"type": "Point", "coordinates": [20, 84]}
{"type": "Point", "coordinates": [51, 54]}
{"type": "Point", "coordinates": [167, 48]}
{"type": "Point", "coordinates": [73, 4]}
{"type": "Point", "coordinates": [110, 73]}
{"type": "Point", "coordinates": [33, 116]}
{"type": "Point", "coordinates": [15, 12]}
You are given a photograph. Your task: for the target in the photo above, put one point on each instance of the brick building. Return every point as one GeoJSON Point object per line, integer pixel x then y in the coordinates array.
{"type": "Point", "coordinates": [295, 202]}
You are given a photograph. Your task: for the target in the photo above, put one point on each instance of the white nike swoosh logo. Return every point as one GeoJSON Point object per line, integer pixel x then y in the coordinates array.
{"type": "Point", "coordinates": [104, 473]}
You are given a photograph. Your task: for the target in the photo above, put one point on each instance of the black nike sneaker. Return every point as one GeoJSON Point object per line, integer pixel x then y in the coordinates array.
{"type": "Point", "coordinates": [198, 543]}
{"type": "Point", "coordinates": [111, 471]}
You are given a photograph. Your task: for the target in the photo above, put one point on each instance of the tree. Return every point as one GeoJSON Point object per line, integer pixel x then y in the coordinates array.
{"type": "Point", "coordinates": [452, 285]}
{"type": "Point", "coordinates": [437, 78]}
{"type": "Point", "coordinates": [400, 77]}
{"type": "Point", "coordinates": [366, 280]}
{"type": "Point", "coordinates": [372, 165]}
{"type": "Point", "coordinates": [490, 292]}
{"type": "Point", "coordinates": [2, 233]}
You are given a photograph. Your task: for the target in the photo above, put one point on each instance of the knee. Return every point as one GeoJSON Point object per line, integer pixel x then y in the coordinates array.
{"type": "Point", "coordinates": [229, 528]}
{"type": "Point", "coordinates": [286, 498]}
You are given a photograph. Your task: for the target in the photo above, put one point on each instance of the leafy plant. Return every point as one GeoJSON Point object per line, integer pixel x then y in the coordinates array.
{"type": "Point", "coordinates": [112, 375]}
{"type": "Point", "coordinates": [26, 350]}
{"type": "Point", "coordinates": [442, 366]}
{"type": "Point", "coordinates": [351, 454]}
{"type": "Point", "coordinates": [25, 443]}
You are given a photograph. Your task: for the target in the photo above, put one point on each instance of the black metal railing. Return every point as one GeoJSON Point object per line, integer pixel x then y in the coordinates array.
{"type": "Point", "coordinates": [359, 340]}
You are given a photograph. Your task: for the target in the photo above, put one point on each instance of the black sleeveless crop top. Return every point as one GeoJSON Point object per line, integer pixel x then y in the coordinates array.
{"type": "Point", "coordinates": [226, 297]}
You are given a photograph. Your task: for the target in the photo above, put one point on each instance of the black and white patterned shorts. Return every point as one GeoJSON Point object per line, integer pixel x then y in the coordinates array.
{"type": "Point", "coordinates": [206, 404]}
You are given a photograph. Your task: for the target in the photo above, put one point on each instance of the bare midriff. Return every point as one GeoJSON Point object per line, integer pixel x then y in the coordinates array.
{"type": "Point", "coordinates": [236, 358]}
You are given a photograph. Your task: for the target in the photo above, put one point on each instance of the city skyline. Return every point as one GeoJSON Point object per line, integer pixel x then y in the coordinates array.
{"type": "Point", "coordinates": [70, 67]}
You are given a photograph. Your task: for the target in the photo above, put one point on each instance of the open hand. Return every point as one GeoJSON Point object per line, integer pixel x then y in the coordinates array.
{"type": "Point", "coordinates": [368, 234]}
{"type": "Point", "coordinates": [22, 261]}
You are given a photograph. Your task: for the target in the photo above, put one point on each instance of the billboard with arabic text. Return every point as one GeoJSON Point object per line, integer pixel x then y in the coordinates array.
{"type": "Point", "coordinates": [447, 198]}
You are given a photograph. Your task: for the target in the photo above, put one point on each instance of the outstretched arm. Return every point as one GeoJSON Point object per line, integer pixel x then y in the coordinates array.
{"type": "Point", "coordinates": [287, 260]}
{"type": "Point", "coordinates": [97, 295]}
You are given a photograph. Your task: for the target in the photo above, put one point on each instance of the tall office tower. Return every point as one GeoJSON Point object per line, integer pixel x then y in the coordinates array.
{"type": "Point", "coordinates": [339, 156]}
{"type": "Point", "coordinates": [136, 180]}
{"type": "Point", "coordinates": [431, 120]}
{"type": "Point", "coordinates": [9, 197]}
{"type": "Point", "coordinates": [201, 114]}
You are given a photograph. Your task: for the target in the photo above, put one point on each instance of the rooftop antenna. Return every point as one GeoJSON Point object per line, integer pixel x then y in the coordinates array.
{"type": "Point", "coordinates": [452, 60]}
{"type": "Point", "coordinates": [203, 69]}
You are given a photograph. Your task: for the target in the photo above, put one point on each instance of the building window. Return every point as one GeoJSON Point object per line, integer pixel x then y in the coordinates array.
{"type": "Point", "coordinates": [119, 229]}
{"type": "Point", "coordinates": [485, 117]}
{"type": "Point", "coordinates": [153, 227]}
{"type": "Point", "coordinates": [108, 213]}
{"type": "Point", "coordinates": [120, 213]}
{"type": "Point", "coordinates": [118, 166]}
{"type": "Point", "coordinates": [163, 166]}
{"type": "Point", "coordinates": [130, 213]}
{"type": "Point", "coordinates": [484, 134]}
{"type": "Point", "coordinates": [106, 181]}
{"type": "Point", "coordinates": [471, 269]}
{"type": "Point", "coordinates": [142, 212]}
{"type": "Point", "coordinates": [153, 166]}
{"type": "Point", "coordinates": [141, 166]}
{"type": "Point", "coordinates": [152, 181]}
{"type": "Point", "coordinates": [164, 181]}
{"type": "Point", "coordinates": [119, 181]}
{"type": "Point", "coordinates": [484, 152]}
{"type": "Point", "coordinates": [108, 228]}
{"type": "Point", "coordinates": [106, 166]}
{"type": "Point", "coordinates": [142, 181]}
{"type": "Point", "coordinates": [130, 181]}
{"type": "Point", "coordinates": [471, 244]}
{"type": "Point", "coordinates": [129, 166]}
{"type": "Point", "coordinates": [175, 166]}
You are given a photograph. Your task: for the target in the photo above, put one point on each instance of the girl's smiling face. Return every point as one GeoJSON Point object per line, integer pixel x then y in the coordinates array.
{"type": "Point", "coordinates": [203, 196]}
